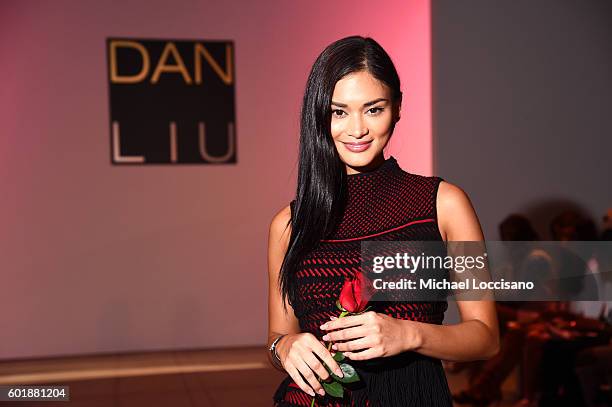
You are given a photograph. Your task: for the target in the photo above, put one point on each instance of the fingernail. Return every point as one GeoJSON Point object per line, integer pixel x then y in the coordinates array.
{"type": "Point", "coordinates": [322, 392]}
{"type": "Point", "coordinates": [339, 372]}
{"type": "Point", "coordinates": [332, 318]}
{"type": "Point", "coordinates": [334, 346]}
{"type": "Point", "coordinates": [325, 337]}
{"type": "Point", "coordinates": [312, 393]}
{"type": "Point", "coordinates": [323, 326]}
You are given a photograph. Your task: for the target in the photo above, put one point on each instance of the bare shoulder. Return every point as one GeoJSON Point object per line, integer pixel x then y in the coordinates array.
{"type": "Point", "coordinates": [451, 196]}
{"type": "Point", "coordinates": [280, 229]}
{"type": "Point", "coordinates": [457, 218]}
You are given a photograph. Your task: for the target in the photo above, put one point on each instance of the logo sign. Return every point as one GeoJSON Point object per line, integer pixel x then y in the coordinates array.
{"type": "Point", "coordinates": [171, 102]}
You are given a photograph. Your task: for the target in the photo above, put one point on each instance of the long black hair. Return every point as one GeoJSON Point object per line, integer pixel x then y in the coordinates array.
{"type": "Point", "coordinates": [321, 184]}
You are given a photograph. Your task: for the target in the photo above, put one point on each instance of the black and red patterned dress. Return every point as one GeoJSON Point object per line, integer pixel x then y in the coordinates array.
{"type": "Point", "coordinates": [385, 204]}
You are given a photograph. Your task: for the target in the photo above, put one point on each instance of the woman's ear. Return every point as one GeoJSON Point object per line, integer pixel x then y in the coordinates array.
{"type": "Point", "coordinates": [398, 108]}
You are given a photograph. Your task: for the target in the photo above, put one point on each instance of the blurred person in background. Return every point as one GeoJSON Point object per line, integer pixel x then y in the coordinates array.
{"type": "Point", "coordinates": [532, 330]}
{"type": "Point", "coordinates": [594, 364]}
{"type": "Point", "coordinates": [548, 379]}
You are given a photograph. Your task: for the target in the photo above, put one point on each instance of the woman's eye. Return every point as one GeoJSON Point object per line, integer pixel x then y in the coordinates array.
{"type": "Point", "coordinates": [373, 111]}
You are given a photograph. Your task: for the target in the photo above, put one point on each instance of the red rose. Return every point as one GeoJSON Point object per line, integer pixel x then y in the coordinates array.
{"type": "Point", "coordinates": [356, 293]}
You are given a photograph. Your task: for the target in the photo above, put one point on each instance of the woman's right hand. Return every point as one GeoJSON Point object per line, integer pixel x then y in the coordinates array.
{"type": "Point", "coordinates": [297, 354]}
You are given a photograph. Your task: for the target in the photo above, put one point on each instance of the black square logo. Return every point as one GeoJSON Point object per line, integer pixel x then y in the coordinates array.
{"type": "Point", "coordinates": [171, 101]}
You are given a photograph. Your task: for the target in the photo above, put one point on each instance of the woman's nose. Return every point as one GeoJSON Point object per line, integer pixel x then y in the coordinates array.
{"type": "Point", "coordinates": [358, 128]}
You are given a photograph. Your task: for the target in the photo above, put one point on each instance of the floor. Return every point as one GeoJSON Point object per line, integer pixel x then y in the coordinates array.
{"type": "Point", "coordinates": [206, 378]}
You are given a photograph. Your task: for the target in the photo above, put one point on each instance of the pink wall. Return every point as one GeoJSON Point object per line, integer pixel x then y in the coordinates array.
{"type": "Point", "coordinates": [101, 258]}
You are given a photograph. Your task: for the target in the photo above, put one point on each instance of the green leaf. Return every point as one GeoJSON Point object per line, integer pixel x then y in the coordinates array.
{"type": "Point", "coordinates": [350, 374]}
{"type": "Point", "coordinates": [338, 356]}
{"type": "Point", "coordinates": [334, 389]}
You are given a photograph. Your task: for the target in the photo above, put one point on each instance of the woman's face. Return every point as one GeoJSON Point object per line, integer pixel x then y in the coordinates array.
{"type": "Point", "coordinates": [362, 120]}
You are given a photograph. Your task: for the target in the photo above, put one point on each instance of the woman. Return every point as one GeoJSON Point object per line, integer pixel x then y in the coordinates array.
{"type": "Point", "coordinates": [348, 192]}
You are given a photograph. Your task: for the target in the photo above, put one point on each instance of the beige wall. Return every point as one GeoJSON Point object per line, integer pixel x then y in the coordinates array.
{"type": "Point", "coordinates": [102, 258]}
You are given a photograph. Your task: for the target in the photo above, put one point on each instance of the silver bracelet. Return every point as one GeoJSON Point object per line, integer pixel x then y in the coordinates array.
{"type": "Point", "coordinates": [272, 349]}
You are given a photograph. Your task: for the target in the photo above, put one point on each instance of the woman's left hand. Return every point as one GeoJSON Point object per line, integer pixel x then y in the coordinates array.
{"type": "Point", "coordinates": [372, 334]}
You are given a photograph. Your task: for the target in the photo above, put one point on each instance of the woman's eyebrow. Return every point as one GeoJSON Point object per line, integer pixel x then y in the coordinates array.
{"type": "Point", "coordinates": [364, 105]}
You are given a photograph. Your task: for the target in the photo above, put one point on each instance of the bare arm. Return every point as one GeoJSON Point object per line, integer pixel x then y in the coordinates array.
{"type": "Point", "coordinates": [477, 335]}
{"type": "Point", "coordinates": [297, 350]}
{"type": "Point", "coordinates": [279, 322]}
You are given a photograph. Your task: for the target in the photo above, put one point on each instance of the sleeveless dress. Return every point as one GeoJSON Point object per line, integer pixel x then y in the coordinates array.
{"type": "Point", "coordinates": [385, 204]}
